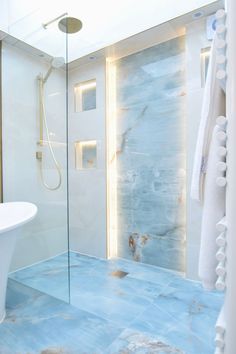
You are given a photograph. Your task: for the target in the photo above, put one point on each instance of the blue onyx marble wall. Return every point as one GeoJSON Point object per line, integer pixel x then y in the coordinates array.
{"type": "Point", "coordinates": [151, 155]}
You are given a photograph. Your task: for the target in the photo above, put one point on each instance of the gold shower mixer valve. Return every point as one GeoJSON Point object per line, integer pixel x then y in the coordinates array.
{"type": "Point", "coordinates": [39, 155]}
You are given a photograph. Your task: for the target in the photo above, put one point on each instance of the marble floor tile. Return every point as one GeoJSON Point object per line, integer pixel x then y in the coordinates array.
{"type": "Point", "coordinates": [39, 323]}
{"type": "Point", "coordinates": [131, 341]}
{"type": "Point", "coordinates": [195, 308]}
{"type": "Point", "coordinates": [150, 310]}
{"type": "Point", "coordinates": [158, 322]}
{"type": "Point", "coordinates": [51, 276]}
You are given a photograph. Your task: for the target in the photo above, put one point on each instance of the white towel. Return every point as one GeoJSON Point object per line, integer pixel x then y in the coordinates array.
{"type": "Point", "coordinates": [213, 211]}
{"type": "Point", "coordinates": [213, 106]}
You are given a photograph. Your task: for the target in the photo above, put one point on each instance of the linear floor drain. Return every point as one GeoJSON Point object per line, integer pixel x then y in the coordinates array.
{"type": "Point", "coordinates": [119, 274]}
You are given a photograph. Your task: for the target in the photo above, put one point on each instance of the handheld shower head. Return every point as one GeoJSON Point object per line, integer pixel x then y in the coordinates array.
{"type": "Point", "coordinates": [56, 63]}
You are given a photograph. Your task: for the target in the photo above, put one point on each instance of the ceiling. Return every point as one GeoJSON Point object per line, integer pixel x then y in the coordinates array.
{"type": "Point", "coordinates": [104, 22]}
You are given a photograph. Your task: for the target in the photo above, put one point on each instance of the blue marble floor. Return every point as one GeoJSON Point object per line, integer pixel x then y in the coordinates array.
{"type": "Point", "coordinates": [149, 310]}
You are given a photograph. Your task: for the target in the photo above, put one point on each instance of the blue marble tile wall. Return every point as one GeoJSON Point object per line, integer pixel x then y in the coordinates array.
{"type": "Point", "coordinates": [151, 155]}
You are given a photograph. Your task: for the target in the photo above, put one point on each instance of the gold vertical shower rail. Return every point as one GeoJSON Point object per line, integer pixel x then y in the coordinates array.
{"type": "Point", "coordinates": [40, 88]}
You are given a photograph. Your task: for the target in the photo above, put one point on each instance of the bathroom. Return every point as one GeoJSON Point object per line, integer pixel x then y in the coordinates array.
{"type": "Point", "coordinates": [113, 240]}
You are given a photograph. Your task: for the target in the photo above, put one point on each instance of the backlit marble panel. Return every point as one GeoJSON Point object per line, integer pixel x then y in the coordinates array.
{"type": "Point", "coordinates": [151, 155]}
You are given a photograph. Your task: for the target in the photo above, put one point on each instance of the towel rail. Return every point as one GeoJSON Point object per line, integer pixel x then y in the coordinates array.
{"type": "Point", "coordinates": [230, 306]}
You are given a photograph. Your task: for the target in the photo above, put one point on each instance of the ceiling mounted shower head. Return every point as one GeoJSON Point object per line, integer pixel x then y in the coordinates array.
{"type": "Point", "coordinates": [70, 25]}
{"type": "Point", "coordinates": [57, 62]}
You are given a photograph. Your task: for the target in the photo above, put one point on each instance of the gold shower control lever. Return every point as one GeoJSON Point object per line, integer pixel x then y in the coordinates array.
{"type": "Point", "coordinates": [39, 155]}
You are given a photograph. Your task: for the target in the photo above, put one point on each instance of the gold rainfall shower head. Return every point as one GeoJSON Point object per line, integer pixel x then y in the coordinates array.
{"type": "Point", "coordinates": [70, 25]}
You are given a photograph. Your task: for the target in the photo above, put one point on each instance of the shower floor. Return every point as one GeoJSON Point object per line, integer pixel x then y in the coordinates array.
{"type": "Point", "coordinates": [117, 306]}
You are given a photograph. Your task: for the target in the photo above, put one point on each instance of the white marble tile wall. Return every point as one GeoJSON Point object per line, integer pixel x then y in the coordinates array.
{"type": "Point", "coordinates": [87, 187]}
{"type": "Point", "coordinates": [46, 236]}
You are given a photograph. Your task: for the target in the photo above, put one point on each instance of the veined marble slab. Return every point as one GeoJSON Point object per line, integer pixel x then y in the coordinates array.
{"type": "Point", "coordinates": [151, 155]}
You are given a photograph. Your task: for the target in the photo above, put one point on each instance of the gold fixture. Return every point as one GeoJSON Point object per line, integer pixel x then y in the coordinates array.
{"type": "Point", "coordinates": [39, 155]}
{"type": "Point", "coordinates": [45, 25]}
{"type": "Point", "coordinates": [70, 25]}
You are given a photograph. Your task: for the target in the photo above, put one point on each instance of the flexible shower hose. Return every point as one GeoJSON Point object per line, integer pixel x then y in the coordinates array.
{"type": "Point", "coordinates": [58, 168]}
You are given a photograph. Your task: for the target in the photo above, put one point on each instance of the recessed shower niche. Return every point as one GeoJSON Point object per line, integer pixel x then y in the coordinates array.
{"type": "Point", "coordinates": [85, 154]}
{"type": "Point", "coordinates": [85, 96]}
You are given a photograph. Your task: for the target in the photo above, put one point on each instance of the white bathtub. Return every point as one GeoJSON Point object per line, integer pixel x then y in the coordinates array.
{"type": "Point", "coordinates": [12, 217]}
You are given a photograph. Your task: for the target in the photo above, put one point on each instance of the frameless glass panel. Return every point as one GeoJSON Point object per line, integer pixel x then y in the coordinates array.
{"type": "Point", "coordinates": [35, 160]}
